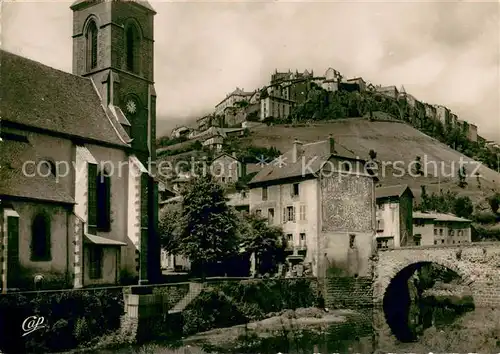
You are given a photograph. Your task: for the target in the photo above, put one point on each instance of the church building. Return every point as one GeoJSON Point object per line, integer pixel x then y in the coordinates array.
{"type": "Point", "coordinates": [78, 196]}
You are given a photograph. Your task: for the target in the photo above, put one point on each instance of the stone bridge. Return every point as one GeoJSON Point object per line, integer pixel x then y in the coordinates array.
{"type": "Point", "coordinates": [478, 264]}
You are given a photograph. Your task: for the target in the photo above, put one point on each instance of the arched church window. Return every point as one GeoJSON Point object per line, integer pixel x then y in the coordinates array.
{"type": "Point", "coordinates": [132, 48]}
{"type": "Point", "coordinates": [40, 238]}
{"type": "Point", "coordinates": [91, 50]}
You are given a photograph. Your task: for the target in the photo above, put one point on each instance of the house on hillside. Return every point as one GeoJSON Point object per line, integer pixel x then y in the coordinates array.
{"type": "Point", "coordinates": [227, 168]}
{"type": "Point", "coordinates": [231, 99]}
{"type": "Point", "coordinates": [275, 107]}
{"type": "Point", "coordinates": [441, 229]}
{"type": "Point", "coordinates": [472, 136]}
{"type": "Point", "coordinates": [332, 80]}
{"type": "Point", "coordinates": [389, 91]}
{"type": "Point", "coordinates": [321, 196]}
{"type": "Point", "coordinates": [453, 123]}
{"type": "Point", "coordinates": [213, 142]}
{"type": "Point", "coordinates": [77, 200]}
{"type": "Point", "coordinates": [240, 199]}
{"type": "Point", "coordinates": [394, 216]}
{"type": "Point", "coordinates": [180, 132]}
{"type": "Point", "coordinates": [234, 116]}
{"type": "Point", "coordinates": [430, 111]}
{"type": "Point", "coordinates": [206, 122]}
{"type": "Point", "coordinates": [443, 115]}
{"type": "Point", "coordinates": [358, 81]}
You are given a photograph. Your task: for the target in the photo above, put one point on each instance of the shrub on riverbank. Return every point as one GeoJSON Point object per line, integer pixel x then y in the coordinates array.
{"type": "Point", "coordinates": [233, 303]}
{"type": "Point", "coordinates": [70, 317]}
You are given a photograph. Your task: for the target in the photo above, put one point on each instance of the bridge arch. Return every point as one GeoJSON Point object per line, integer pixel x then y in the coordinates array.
{"type": "Point", "coordinates": [389, 268]}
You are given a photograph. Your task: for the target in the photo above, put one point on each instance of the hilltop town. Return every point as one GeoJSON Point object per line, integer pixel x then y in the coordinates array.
{"type": "Point", "coordinates": [287, 92]}
{"type": "Point", "coordinates": [250, 132]}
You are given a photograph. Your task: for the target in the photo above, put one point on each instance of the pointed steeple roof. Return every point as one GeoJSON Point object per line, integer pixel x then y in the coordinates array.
{"type": "Point", "coordinates": [402, 89]}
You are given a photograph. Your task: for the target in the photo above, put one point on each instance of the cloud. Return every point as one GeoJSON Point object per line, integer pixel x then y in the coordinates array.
{"type": "Point", "coordinates": [442, 52]}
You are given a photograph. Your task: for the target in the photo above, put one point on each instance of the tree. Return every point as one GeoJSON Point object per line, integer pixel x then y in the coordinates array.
{"type": "Point", "coordinates": [262, 240]}
{"type": "Point", "coordinates": [478, 179]}
{"type": "Point", "coordinates": [424, 199]}
{"type": "Point", "coordinates": [494, 202]}
{"type": "Point", "coordinates": [209, 230]}
{"type": "Point", "coordinates": [462, 173]}
{"type": "Point", "coordinates": [462, 207]}
{"type": "Point", "coordinates": [418, 166]}
{"type": "Point", "coordinates": [169, 227]}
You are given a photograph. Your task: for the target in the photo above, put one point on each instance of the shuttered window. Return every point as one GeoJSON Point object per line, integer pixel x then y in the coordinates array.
{"type": "Point", "coordinates": [92, 198]}
{"type": "Point", "coordinates": [103, 202]}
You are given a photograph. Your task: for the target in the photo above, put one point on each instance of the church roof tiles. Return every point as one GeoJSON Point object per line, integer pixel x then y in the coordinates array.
{"type": "Point", "coordinates": [23, 181]}
{"type": "Point", "coordinates": [38, 96]}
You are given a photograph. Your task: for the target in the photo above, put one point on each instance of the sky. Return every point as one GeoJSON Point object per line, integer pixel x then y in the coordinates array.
{"type": "Point", "coordinates": [445, 52]}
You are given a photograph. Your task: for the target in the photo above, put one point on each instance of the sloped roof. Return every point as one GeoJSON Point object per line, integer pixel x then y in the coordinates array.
{"type": "Point", "coordinates": [313, 155]}
{"type": "Point", "coordinates": [392, 191]}
{"type": "Point", "coordinates": [27, 184]}
{"type": "Point", "coordinates": [438, 217]}
{"type": "Point", "coordinates": [42, 97]}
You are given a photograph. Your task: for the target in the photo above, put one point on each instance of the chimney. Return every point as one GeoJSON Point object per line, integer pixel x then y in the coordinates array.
{"type": "Point", "coordinates": [234, 154]}
{"type": "Point", "coordinates": [297, 150]}
{"type": "Point", "coordinates": [331, 141]}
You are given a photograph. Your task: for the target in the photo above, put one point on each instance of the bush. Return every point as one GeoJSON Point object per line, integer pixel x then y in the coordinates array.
{"type": "Point", "coordinates": [485, 218]}
{"type": "Point", "coordinates": [233, 303]}
{"type": "Point", "coordinates": [72, 318]}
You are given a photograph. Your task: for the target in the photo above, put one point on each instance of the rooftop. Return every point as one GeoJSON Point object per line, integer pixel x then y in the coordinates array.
{"type": "Point", "coordinates": [38, 96]}
{"type": "Point", "coordinates": [438, 216]}
{"type": "Point", "coordinates": [16, 182]}
{"type": "Point", "coordinates": [314, 154]}
{"type": "Point", "coordinates": [392, 191]}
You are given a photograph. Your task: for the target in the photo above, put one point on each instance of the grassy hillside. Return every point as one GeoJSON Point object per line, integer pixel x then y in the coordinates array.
{"type": "Point", "coordinates": [392, 141]}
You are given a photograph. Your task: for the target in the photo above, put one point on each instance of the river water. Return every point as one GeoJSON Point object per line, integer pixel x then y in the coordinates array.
{"type": "Point", "coordinates": [433, 328]}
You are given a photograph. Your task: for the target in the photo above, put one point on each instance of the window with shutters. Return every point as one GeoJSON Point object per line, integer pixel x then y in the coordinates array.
{"type": "Point", "coordinates": [95, 262]}
{"type": "Point", "coordinates": [295, 190]}
{"type": "Point", "coordinates": [40, 238]}
{"type": "Point", "coordinates": [99, 200]}
{"type": "Point", "coordinates": [302, 239]}
{"type": "Point", "coordinates": [91, 50]}
{"type": "Point", "coordinates": [264, 193]}
{"type": "Point", "coordinates": [303, 212]}
{"type": "Point", "coordinates": [103, 211]}
{"type": "Point", "coordinates": [270, 215]}
{"type": "Point", "coordinates": [289, 214]}
{"type": "Point", "coordinates": [92, 198]}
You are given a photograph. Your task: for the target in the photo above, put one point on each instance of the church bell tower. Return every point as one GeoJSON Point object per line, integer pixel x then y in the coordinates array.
{"type": "Point", "coordinates": [113, 44]}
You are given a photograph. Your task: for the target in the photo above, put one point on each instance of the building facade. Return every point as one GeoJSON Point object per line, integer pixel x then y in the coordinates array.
{"type": "Point", "coordinates": [231, 99]}
{"type": "Point", "coordinates": [226, 168]}
{"type": "Point", "coordinates": [394, 216]}
{"type": "Point", "coordinates": [443, 115]}
{"type": "Point", "coordinates": [85, 202]}
{"type": "Point", "coordinates": [326, 209]}
{"type": "Point", "coordinates": [441, 229]}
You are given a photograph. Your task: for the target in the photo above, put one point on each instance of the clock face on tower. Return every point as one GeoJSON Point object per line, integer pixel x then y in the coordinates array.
{"type": "Point", "coordinates": [131, 106]}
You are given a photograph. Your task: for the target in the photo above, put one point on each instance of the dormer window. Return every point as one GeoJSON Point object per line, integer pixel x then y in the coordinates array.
{"type": "Point", "coordinates": [91, 50]}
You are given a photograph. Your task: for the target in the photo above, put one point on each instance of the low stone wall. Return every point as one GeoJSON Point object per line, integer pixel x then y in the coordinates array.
{"type": "Point", "coordinates": [348, 292]}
